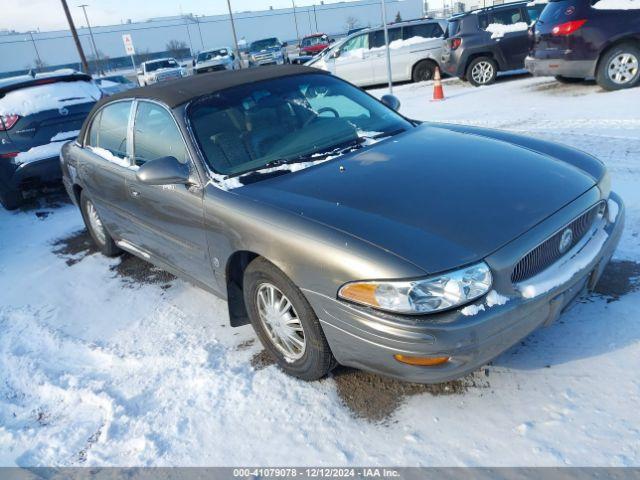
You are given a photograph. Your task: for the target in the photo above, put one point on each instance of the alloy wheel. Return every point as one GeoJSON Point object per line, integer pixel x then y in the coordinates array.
{"type": "Point", "coordinates": [281, 322]}
{"type": "Point", "coordinates": [482, 72]}
{"type": "Point", "coordinates": [623, 68]}
{"type": "Point", "coordinates": [96, 223]}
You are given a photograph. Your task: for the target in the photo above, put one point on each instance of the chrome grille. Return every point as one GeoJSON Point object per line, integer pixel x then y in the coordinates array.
{"type": "Point", "coordinates": [548, 252]}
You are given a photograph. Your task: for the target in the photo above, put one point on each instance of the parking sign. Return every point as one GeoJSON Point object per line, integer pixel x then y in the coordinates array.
{"type": "Point", "coordinates": [128, 44]}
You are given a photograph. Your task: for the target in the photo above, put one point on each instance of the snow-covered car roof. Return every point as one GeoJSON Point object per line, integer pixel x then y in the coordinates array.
{"type": "Point", "coordinates": [23, 81]}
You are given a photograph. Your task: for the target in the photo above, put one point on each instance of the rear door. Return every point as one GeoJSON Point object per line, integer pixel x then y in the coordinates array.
{"type": "Point", "coordinates": [508, 28]}
{"type": "Point", "coordinates": [378, 54]}
{"type": "Point", "coordinates": [167, 220]}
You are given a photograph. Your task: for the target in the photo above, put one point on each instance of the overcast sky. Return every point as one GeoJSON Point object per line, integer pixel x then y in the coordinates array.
{"type": "Point", "coordinates": [24, 15]}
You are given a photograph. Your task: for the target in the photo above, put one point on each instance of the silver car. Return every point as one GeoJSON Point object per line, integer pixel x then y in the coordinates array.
{"type": "Point", "coordinates": [342, 231]}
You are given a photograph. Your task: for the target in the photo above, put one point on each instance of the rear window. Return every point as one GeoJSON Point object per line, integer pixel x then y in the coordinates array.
{"type": "Point", "coordinates": [424, 30]}
{"type": "Point", "coordinates": [376, 39]}
{"type": "Point", "coordinates": [453, 27]}
{"type": "Point", "coordinates": [51, 96]}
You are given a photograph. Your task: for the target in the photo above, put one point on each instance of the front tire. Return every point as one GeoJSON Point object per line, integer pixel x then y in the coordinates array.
{"type": "Point", "coordinates": [11, 199]}
{"type": "Point", "coordinates": [619, 67]}
{"type": "Point", "coordinates": [482, 71]}
{"type": "Point", "coordinates": [285, 323]}
{"type": "Point", "coordinates": [96, 229]}
{"type": "Point", "coordinates": [423, 71]}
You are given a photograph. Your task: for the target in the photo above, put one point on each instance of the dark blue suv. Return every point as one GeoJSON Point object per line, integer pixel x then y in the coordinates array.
{"type": "Point", "coordinates": [578, 39]}
{"type": "Point", "coordinates": [38, 114]}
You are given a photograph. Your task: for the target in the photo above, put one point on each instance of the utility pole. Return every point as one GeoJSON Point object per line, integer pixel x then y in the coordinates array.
{"type": "Point", "coordinates": [74, 33]}
{"type": "Point", "coordinates": [93, 41]}
{"type": "Point", "coordinates": [192, 18]}
{"type": "Point", "coordinates": [315, 16]}
{"type": "Point", "coordinates": [35, 47]}
{"type": "Point", "coordinates": [386, 42]}
{"type": "Point", "coordinates": [295, 20]}
{"type": "Point", "coordinates": [235, 36]}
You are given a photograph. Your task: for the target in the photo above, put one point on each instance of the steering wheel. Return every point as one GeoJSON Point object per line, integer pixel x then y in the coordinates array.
{"type": "Point", "coordinates": [319, 112]}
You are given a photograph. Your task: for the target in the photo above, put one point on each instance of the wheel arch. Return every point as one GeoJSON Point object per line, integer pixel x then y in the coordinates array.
{"type": "Point", "coordinates": [428, 60]}
{"type": "Point", "coordinates": [77, 191]}
{"type": "Point", "coordinates": [612, 43]}
{"type": "Point", "coordinates": [483, 53]}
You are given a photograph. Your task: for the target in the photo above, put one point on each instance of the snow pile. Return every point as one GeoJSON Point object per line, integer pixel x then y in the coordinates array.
{"type": "Point", "coordinates": [492, 299]}
{"type": "Point", "coordinates": [65, 135]}
{"type": "Point", "coordinates": [53, 96]}
{"type": "Point", "coordinates": [41, 152]}
{"type": "Point", "coordinates": [498, 30]}
{"type": "Point", "coordinates": [617, 5]}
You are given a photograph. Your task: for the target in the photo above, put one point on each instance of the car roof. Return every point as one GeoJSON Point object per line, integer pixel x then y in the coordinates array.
{"type": "Point", "coordinates": [401, 24]}
{"type": "Point", "coordinates": [488, 9]}
{"type": "Point", "coordinates": [311, 35]}
{"type": "Point", "coordinates": [23, 81]}
{"type": "Point", "coordinates": [174, 93]}
{"type": "Point", "coordinates": [164, 59]}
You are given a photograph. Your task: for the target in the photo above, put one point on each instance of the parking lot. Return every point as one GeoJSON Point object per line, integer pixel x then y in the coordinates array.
{"type": "Point", "coordinates": [112, 361]}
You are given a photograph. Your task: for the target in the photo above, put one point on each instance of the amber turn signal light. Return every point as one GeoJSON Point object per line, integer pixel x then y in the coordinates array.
{"type": "Point", "coordinates": [421, 361]}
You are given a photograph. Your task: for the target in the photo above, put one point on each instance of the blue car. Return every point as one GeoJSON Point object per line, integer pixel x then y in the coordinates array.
{"type": "Point", "coordinates": [38, 114]}
{"type": "Point", "coordinates": [575, 39]}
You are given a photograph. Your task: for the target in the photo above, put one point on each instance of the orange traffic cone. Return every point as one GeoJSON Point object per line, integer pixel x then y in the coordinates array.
{"type": "Point", "coordinates": [438, 92]}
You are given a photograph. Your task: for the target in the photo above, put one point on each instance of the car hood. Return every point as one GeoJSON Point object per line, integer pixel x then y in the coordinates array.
{"type": "Point", "coordinates": [435, 197]}
{"type": "Point", "coordinates": [214, 61]}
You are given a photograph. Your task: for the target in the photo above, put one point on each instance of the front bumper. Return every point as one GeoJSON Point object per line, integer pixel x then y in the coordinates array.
{"type": "Point", "coordinates": [368, 339]}
{"type": "Point", "coordinates": [559, 67]}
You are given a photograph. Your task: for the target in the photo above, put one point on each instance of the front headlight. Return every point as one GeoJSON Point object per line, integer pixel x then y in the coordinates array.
{"type": "Point", "coordinates": [427, 295]}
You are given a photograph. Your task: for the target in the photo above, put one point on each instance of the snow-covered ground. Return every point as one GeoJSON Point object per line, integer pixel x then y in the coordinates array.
{"type": "Point", "coordinates": [111, 362]}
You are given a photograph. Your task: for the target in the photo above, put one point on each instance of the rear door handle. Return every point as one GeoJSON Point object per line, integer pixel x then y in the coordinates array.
{"type": "Point", "coordinates": [134, 193]}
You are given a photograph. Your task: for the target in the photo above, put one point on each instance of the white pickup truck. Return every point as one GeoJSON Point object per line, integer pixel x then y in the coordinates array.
{"type": "Point", "coordinates": [154, 71]}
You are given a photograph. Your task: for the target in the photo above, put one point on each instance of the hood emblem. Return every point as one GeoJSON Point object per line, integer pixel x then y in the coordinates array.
{"type": "Point", "coordinates": [63, 111]}
{"type": "Point", "coordinates": [565, 240]}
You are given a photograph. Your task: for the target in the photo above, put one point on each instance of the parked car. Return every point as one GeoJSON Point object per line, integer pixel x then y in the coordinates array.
{"type": "Point", "coordinates": [111, 84]}
{"type": "Point", "coordinates": [416, 48]}
{"type": "Point", "coordinates": [38, 114]}
{"type": "Point", "coordinates": [221, 58]}
{"type": "Point", "coordinates": [268, 51]}
{"type": "Point", "coordinates": [342, 231]}
{"type": "Point", "coordinates": [314, 44]}
{"type": "Point", "coordinates": [483, 42]}
{"type": "Point", "coordinates": [574, 40]}
{"type": "Point", "coordinates": [154, 71]}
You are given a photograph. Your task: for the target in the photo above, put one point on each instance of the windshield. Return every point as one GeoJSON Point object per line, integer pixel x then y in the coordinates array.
{"type": "Point", "coordinates": [285, 120]}
{"type": "Point", "coordinates": [307, 42]}
{"type": "Point", "coordinates": [117, 79]}
{"type": "Point", "coordinates": [205, 56]}
{"type": "Point", "coordinates": [262, 44]}
{"type": "Point", "coordinates": [152, 66]}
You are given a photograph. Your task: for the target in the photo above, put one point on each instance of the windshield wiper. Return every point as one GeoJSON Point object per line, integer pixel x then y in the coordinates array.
{"type": "Point", "coordinates": [381, 135]}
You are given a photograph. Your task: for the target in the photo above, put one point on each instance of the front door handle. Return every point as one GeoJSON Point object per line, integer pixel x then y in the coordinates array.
{"type": "Point", "coordinates": [134, 193]}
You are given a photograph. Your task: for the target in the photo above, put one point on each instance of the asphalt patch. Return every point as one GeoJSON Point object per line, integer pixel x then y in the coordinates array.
{"type": "Point", "coordinates": [262, 360]}
{"type": "Point", "coordinates": [43, 202]}
{"type": "Point", "coordinates": [75, 247]}
{"type": "Point", "coordinates": [375, 398]}
{"type": "Point", "coordinates": [619, 278]}
{"type": "Point", "coordinates": [553, 87]}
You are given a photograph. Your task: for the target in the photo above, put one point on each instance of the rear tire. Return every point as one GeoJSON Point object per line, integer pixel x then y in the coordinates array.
{"type": "Point", "coordinates": [423, 71]}
{"type": "Point", "coordinates": [482, 71]}
{"type": "Point", "coordinates": [293, 336]}
{"type": "Point", "coordinates": [568, 80]}
{"type": "Point", "coordinates": [96, 229]}
{"type": "Point", "coordinates": [11, 199]}
{"type": "Point", "coordinates": [619, 67]}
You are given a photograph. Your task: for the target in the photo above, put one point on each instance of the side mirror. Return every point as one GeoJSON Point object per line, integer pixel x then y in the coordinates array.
{"type": "Point", "coordinates": [336, 53]}
{"type": "Point", "coordinates": [332, 40]}
{"type": "Point", "coordinates": [391, 101]}
{"type": "Point", "coordinates": [284, 44]}
{"type": "Point", "coordinates": [163, 171]}
{"type": "Point", "coordinates": [139, 72]}
{"type": "Point", "coordinates": [193, 62]}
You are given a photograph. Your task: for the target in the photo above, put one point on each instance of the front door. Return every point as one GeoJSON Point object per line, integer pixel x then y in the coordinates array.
{"type": "Point", "coordinates": [168, 220]}
{"type": "Point", "coordinates": [353, 62]}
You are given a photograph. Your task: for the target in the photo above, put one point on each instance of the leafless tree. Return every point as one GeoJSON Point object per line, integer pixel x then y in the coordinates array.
{"type": "Point", "coordinates": [176, 48]}
{"type": "Point", "coordinates": [351, 23]}
{"type": "Point", "coordinates": [398, 17]}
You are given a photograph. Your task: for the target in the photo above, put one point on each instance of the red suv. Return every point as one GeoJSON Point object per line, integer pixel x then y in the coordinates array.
{"type": "Point", "coordinates": [314, 44]}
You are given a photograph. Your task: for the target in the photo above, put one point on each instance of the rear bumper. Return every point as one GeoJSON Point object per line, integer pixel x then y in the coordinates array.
{"type": "Point", "coordinates": [562, 67]}
{"type": "Point", "coordinates": [368, 339]}
{"type": "Point", "coordinates": [30, 175]}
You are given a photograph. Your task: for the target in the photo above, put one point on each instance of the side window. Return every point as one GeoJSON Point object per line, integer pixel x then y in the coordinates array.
{"type": "Point", "coordinates": [507, 16]}
{"type": "Point", "coordinates": [483, 21]}
{"type": "Point", "coordinates": [109, 129]}
{"type": "Point", "coordinates": [376, 39]}
{"type": "Point", "coordinates": [424, 30]}
{"type": "Point", "coordinates": [156, 135]}
{"type": "Point", "coordinates": [534, 12]}
{"type": "Point", "coordinates": [356, 43]}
